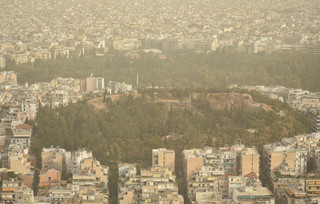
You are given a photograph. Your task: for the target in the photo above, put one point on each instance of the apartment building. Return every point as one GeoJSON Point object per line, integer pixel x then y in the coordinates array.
{"type": "Point", "coordinates": [21, 58]}
{"type": "Point", "coordinates": [130, 184]}
{"type": "Point", "coordinates": [158, 186]}
{"type": "Point", "coordinates": [14, 191]}
{"type": "Point", "coordinates": [93, 166]}
{"type": "Point", "coordinates": [8, 78]}
{"type": "Point", "coordinates": [53, 155]}
{"type": "Point", "coordinates": [250, 162]}
{"type": "Point", "coordinates": [290, 157]}
{"type": "Point", "coordinates": [228, 160]}
{"type": "Point", "coordinates": [206, 184]}
{"type": "Point", "coordinates": [295, 193]}
{"type": "Point", "coordinates": [50, 175]}
{"type": "Point", "coordinates": [91, 84]}
{"type": "Point", "coordinates": [59, 195]}
{"type": "Point", "coordinates": [315, 119]}
{"type": "Point", "coordinates": [53, 166]}
{"type": "Point", "coordinates": [22, 136]}
{"type": "Point", "coordinates": [192, 161]}
{"type": "Point", "coordinates": [253, 194]}
{"type": "Point", "coordinates": [73, 159]}
{"type": "Point", "coordinates": [313, 186]}
{"type": "Point", "coordinates": [19, 162]}
{"type": "Point", "coordinates": [163, 158]}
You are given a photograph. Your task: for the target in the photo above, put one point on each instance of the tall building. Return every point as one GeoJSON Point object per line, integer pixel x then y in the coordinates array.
{"type": "Point", "coordinates": [163, 158]}
{"type": "Point", "coordinates": [91, 84]}
{"type": "Point", "coordinates": [285, 158]}
{"type": "Point", "coordinates": [315, 118]}
{"type": "Point", "coordinates": [99, 83]}
{"type": "Point", "coordinates": [192, 161]}
{"type": "Point", "coordinates": [228, 160]}
{"type": "Point", "coordinates": [250, 161]}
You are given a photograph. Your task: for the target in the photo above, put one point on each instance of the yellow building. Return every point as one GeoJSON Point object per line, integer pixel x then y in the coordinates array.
{"type": "Point", "coordinates": [313, 187]}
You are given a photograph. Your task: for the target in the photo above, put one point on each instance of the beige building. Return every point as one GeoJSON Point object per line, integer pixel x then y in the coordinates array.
{"type": "Point", "coordinates": [14, 191]}
{"type": "Point", "coordinates": [21, 58]}
{"type": "Point", "coordinates": [22, 136]}
{"type": "Point", "coordinates": [50, 176]}
{"type": "Point", "coordinates": [93, 165]}
{"type": "Point", "coordinates": [250, 161]}
{"type": "Point", "coordinates": [53, 165]}
{"type": "Point", "coordinates": [61, 195]}
{"type": "Point", "coordinates": [295, 194]}
{"type": "Point", "coordinates": [285, 161]}
{"type": "Point", "coordinates": [92, 84]}
{"type": "Point", "coordinates": [158, 186]}
{"type": "Point", "coordinates": [8, 77]}
{"type": "Point", "coordinates": [163, 158]}
{"type": "Point", "coordinates": [19, 161]}
{"type": "Point", "coordinates": [206, 184]}
{"type": "Point", "coordinates": [118, 43]}
{"type": "Point", "coordinates": [274, 156]}
{"type": "Point", "coordinates": [89, 195]}
{"type": "Point", "coordinates": [53, 155]}
{"type": "Point", "coordinates": [127, 197]}
{"type": "Point", "coordinates": [192, 161]}
{"type": "Point", "coordinates": [253, 194]}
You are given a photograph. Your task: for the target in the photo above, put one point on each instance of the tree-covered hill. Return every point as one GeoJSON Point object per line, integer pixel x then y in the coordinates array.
{"type": "Point", "coordinates": [136, 125]}
{"type": "Point", "coordinates": [184, 69]}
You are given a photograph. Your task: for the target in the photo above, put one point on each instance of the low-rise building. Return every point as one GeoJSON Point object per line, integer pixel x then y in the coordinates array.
{"type": "Point", "coordinates": [59, 195]}
{"type": "Point", "coordinates": [22, 136]}
{"type": "Point", "coordinates": [158, 185]}
{"type": "Point", "coordinates": [74, 159]}
{"type": "Point", "coordinates": [252, 194]}
{"type": "Point", "coordinates": [19, 162]}
{"type": "Point", "coordinates": [50, 175]}
{"type": "Point", "coordinates": [14, 191]}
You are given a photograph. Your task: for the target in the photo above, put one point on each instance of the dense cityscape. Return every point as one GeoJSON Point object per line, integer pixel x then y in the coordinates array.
{"type": "Point", "coordinates": [43, 30]}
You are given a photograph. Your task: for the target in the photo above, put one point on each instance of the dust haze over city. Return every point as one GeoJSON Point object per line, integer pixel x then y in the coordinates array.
{"type": "Point", "coordinates": [160, 101]}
